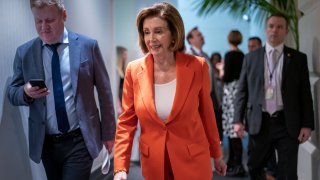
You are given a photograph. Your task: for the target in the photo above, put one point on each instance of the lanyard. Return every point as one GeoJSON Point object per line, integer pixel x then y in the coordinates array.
{"type": "Point", "coordinates": [274, 67]}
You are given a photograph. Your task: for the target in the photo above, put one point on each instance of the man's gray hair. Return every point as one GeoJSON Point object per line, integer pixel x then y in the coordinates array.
{"type": "Point", "coordinates": [43, 3]}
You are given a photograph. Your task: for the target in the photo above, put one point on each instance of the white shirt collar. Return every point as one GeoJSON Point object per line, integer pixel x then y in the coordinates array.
{"type": "Point", "coordinates": [198, 51]}
{"type": "Point", "coordinates": [63, 39]}
{"type": "Point", "coordinates": [279, 48]}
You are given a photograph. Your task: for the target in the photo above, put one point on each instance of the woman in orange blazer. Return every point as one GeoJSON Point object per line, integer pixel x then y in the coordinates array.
{"type": "Point", "coordinates": [169, 92]}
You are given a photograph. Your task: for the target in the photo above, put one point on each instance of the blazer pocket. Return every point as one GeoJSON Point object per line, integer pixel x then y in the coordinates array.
{"type": "Point", "coordinates": [144, 149]}
{"type": "Point", "coordinates": [198, 148]}
{"type": "Point", "coordinates": [84, 63]}
{"type": "Point", "coordinates": [85, 68]}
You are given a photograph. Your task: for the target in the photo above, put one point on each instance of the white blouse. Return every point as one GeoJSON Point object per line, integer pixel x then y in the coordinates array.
{"type": "Point", "coordinates": [164, 96]}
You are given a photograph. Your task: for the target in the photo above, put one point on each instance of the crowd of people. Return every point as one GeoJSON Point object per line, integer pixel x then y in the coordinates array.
{"type": "Point", "coordinates": [183, 100]}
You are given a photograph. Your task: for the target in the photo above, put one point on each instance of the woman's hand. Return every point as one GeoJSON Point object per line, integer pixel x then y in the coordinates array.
{"type": "Point", "coordinates": [120, 176]}
{"type": "Point", "coordinates": [220, 166]}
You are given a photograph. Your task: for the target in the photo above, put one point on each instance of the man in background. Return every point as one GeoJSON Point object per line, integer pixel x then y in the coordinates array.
{"type": "Point", "coordinates": [274, 98]}
{"type": "Point", "coordinates": [196, 42]}
{"type": "Point", "coordinates": [66, 129]}
{"type": "Point", "coordinates": [254, 43]}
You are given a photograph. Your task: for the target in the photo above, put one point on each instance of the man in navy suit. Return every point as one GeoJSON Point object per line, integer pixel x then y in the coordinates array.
{"type": "Point", "coordinates": [274, 98]}
{"type": "Point", "coordinates": [66, 129]}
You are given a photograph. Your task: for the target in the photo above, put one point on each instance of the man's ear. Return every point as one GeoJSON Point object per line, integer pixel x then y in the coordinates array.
{"type": "Point", "coordinates": [64, 14]}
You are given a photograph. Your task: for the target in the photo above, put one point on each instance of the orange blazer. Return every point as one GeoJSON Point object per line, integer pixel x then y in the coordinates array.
{"type": "Point", "coordinates": [190, 133]}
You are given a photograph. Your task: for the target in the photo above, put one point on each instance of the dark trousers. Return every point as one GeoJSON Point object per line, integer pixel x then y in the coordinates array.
{"type": "Point", "coordinates": [235, 152]}
{"type": "Point", "coordinates": [218, 114]}
{"type": "Point", "coordinates": [273, 135]}
{"type": "Point", "coordinates": [66, 159]}
{"type": "Point", "coordinates": [271, 166]}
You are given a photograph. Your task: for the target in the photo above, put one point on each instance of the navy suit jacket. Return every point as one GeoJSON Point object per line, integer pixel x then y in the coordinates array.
{"type": "Point", "coordinates": [295, 91]}
{"type": "Point", "coordinates": [87, 71]}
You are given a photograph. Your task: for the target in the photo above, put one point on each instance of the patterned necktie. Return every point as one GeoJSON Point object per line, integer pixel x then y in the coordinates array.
{"type": "Point", "coordinates": [60, 105]}
{"type": "Point", "coordinates": [271, 104]}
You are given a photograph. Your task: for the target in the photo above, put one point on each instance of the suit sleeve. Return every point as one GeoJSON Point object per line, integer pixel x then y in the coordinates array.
{"type": "Point", "coordinates": [306, 98]}
{"type": "Point", "coordinates": [242, 94]}
{"type": "Point", "coordinates": [102, 83]}
{"type": "Point", "coordinates": [126, 126]}
{"type": "Point", "coordinates": [15, 88]}
{"type": "Point", "coordinates": [207, 114]}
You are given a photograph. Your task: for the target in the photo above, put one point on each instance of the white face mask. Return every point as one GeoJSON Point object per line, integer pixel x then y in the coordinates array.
{"type": "Point", "coordinates": [106, 163]}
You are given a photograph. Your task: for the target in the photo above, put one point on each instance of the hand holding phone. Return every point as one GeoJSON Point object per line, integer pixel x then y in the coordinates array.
{"type": "Point", "coordinates": [38, 82]}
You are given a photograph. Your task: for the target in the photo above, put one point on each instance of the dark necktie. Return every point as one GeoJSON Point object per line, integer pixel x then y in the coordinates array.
{"type": "Point", "coordinates": [60, 105]}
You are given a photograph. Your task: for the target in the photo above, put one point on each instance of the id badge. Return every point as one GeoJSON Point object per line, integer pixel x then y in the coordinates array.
{"type": "Point", "coordinates": [269, 93]}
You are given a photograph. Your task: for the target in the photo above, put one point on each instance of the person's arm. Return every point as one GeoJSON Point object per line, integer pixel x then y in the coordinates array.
{"type": "Point", "coordinates": [19, 91]}
{"type": "Point", "coordinates": [126, 127]}
{"type": "Point", "coordinates": [306, 100]}
{"type": "Point", "coordinates": [207, 114]}
{"type": "Point", "coordinates": [102, 83]}
{"type": "Point", "coordinates": [241, 97]}
{"type": "Point", "coordinates": [16, 94]}
{"type": "Point", "coordinates": [209, 122]}
{"type": "Point", "coordinates": [306, 97]}
{"type": "Point", "coordinates": [241, 100]}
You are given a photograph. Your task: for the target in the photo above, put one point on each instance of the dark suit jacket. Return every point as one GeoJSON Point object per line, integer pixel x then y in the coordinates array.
{"type": "Point", "coordinates": [295, 91]}
{"type": "Point", "coordinates": [87, 71]}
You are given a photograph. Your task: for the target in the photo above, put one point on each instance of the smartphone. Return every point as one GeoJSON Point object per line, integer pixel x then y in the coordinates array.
{"type": "Point", "coordinates": [38, 82]}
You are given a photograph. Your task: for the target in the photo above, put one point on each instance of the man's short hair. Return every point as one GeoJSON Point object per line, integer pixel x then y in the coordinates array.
{"type": "Point", "coordinates": [255, 38]}
{"type": "Point", "coordinates": [280, 15]}
{"type": "Point", "coordinates": [43, 3]}
{"type": "Point", "coordinates": [189, 35]}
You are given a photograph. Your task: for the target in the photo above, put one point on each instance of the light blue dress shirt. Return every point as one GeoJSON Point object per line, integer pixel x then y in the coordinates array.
{"type": "Point", "coordinates": [63, 51]}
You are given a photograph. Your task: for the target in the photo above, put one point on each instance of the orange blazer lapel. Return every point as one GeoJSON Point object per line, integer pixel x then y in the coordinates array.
{"type": "Point", "coordinates": [184, 79]}
{"type": "Point", "coordinates": [146, 84]}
